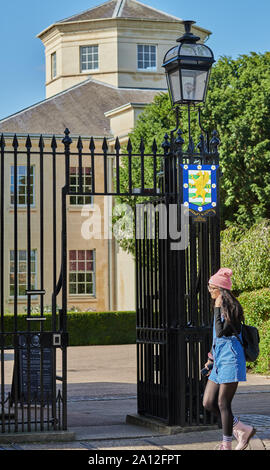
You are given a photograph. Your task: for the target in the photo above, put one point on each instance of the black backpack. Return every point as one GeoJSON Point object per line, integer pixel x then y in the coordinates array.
{"type": "Point", "coordinates": [250, 343]}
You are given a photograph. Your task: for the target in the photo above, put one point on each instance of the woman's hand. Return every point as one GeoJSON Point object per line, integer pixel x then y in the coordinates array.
{"type": "Point", "coordinates": [208, 363]}
{"type": "Point", "coordinates": [218, 301]}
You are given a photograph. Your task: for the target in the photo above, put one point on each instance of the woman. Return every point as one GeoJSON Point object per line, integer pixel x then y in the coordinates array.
{"type": "Point", "coordinates": [227, 360]}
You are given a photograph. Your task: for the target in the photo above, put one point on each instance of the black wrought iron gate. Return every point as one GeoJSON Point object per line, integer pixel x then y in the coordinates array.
{"type": "Point", "coordinates": [33, 346]}
{"type": "Point", "coordinates": [172, 301]}
{"type": "Point", "coordinates": [174, 324]}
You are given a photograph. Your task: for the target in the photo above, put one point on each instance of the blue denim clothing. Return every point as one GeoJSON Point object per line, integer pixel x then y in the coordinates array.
{"type": "Point", "coordinates": [229, 359]}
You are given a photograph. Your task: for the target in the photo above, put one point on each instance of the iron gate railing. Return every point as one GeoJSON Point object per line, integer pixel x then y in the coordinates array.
{"type": "Point", "coordinates": [172, 302]}
{"type": "Point", "coordinates": [174, 331]}
{"type": "Point", "coordinates": [33, 393]}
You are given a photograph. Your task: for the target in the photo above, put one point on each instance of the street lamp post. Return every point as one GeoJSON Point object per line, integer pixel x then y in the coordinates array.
{"type": "Point", "coordinates": [187, 66]}
{"type": "Point", "coordinates": [174, 331]}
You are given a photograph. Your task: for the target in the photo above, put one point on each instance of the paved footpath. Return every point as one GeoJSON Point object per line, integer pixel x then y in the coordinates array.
{"type": "Point", "coordinates": [102, 392]}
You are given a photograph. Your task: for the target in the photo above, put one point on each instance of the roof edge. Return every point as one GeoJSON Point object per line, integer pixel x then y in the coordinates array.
{"type": "Point", "coordinates": [61, 93]}
{"type": "Point", "coordinates": [124, 107]}
{"type": "Point", "coordinates": [207, 32]}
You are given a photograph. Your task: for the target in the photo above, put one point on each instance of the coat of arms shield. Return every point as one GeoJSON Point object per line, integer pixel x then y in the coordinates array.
{"type": "Point", "coordinates": [200, 189]}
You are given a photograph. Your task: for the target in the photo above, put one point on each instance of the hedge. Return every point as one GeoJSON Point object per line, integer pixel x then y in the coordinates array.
{"type": "Point", "coordinates": [88, 328]}
{"type": "Point", "coordinates": [92, 328]}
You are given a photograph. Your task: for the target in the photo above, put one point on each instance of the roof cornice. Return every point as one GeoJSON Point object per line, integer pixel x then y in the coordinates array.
{"type": "Point", "coordinates": [120, 20]}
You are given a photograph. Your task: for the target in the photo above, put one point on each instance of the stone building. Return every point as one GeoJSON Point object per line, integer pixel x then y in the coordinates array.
{"type": "Point", "coordinates": [103, 66]}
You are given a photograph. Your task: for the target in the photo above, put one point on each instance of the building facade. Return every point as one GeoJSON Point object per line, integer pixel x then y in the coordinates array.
{"type": "Point", "coordinates": [103, 66]}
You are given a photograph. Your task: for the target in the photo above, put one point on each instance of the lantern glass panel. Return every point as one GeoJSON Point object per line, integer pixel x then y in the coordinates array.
{"type": "Point", "coordinates": [174, 85]}
{"type": "Point", "coordinates": [171, 53]}
{"type": "Point", "coordinates": [197, 50]}
{"type": "Point", "coordinates": [194, 83]}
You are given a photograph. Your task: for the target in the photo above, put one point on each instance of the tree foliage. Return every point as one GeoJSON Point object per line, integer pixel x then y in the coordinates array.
{"type": "Point", "coordinates": [238, 107]}
{"type": "Point", "coordinates": [246, 252]}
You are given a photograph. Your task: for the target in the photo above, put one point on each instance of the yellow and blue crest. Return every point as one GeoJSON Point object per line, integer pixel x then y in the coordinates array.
{"type": "Point", "coordinates": [200, 189]}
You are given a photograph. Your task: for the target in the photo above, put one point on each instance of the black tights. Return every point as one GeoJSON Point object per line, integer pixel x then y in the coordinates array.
{"type": "Point", "coordinates": [217, 399]}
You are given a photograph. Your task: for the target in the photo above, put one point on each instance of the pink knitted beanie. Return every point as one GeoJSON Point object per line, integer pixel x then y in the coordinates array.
{"type": "Point", "coordinates": [222, 278]}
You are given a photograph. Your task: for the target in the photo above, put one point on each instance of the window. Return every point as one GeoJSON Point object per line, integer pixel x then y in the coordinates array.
{"type": "Point", "coordinates": [82, 272]}
{"type": "Point", "coordinates": [21, 272]}
{"type": "Point", "coordinates": [86, 185]}
{"type": "Point", "coordinates": [53, 65]}
{"type": "Point", "coordinates": [89, 58]}
{"type": "Point", "coordinates": [22, 185]}
{"type": "Point", "coordinates": [146, 57]}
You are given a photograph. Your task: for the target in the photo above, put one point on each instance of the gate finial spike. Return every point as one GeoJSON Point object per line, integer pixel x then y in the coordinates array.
{"type": "Point", "coordinates": [154, 146]}
{"type": "Point", "coordinates": [179, 140]}
{"type": "Point", "coordinates": [129, 146]}
{"type": "Point", "coordinates": [54, 143]}
{"type": "Point", "coordinates": [214, 142]}
{"type": "Point", "coordinates": [142, 146]}
{"type": "Point", "coordinates": [166, 144]}
{"type": "Point", "coordinates": [117, 145]}
{"type": "Point", "coordinates": [105, 145]}
{"type": "Point", "coordinates": [41, 142]}
{"type": "Point", "coordinates": [201, 145]}
{"type": "Point", "coordinates": [79, 144]}
{"type": "Point", "coordinates": [67, 140]}
{"type": "Point", "coordinates": [92, 145]}
{"type": "Point", "coordinates": [15, 143]}
{"type": "Point", "coordinates": [28, 143]}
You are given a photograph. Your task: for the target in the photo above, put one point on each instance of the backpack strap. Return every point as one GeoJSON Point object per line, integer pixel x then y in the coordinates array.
{"type": "Point", "coordinates": [236, 334]}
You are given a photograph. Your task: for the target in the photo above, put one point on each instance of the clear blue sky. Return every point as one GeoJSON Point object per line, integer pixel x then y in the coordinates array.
{"type": "Point", "coordinates": [238, 27]}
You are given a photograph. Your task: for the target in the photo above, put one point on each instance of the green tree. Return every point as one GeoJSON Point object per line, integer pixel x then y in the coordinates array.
{"type": "Point", "coordinates": [238, 107]}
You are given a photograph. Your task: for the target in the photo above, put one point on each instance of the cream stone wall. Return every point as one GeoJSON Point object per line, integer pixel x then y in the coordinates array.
{"type": "Point", "coordinates": [75, 239]}
{"type": "Point", "coordinates": [117, 39]}
{"type": "Point", "coordinates": [122, 119]}
{"type": "Point", "coordinates": [125, 280]}
{"type": "Point", "coordinates": [66, 42]}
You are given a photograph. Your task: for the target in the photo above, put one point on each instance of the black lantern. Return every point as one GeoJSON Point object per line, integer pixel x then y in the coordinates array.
{"type": "Point", "coordinates": [187, 68]}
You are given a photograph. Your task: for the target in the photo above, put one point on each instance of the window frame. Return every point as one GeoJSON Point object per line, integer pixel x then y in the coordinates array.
{"type": "Point", "coordinates": [20, 205]}
{"type": "Point", "coordinates": [76, 186]}
{"type": "Point", "coordinates": [93, 69]}
{"type": "Point", "coordinates": [151, 68]}
{"type": "Point", "coordinates": [76, 272]}
{"type": "Point", "coordinates": [12, 296]}
{"type": "Point", "coordinates": [53, 65]}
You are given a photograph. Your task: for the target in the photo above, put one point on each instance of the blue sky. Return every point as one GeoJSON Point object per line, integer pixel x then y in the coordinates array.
{"type": "Point", "coordinates": [238, 27]}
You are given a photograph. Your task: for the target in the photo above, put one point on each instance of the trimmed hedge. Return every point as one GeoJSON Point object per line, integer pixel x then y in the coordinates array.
{"type": "Point", "coordinates": [92, 328]}
{"type": "Point", "coordinates": [88, 328]}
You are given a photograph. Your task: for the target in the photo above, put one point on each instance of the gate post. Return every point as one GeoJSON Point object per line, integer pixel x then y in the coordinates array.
{"type": "Point", "coordinates": [176, 282]}
{"type": "Point", "coordinates": [67, 141]}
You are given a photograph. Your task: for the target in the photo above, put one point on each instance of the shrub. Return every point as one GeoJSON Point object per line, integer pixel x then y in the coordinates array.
{"type": "Point", "coordinates": [256, 307]}
{"type": "Point", "coordinates": [246, 252]}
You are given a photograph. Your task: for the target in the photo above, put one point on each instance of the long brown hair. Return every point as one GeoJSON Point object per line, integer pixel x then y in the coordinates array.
{"type": "Point", "coordinates": [230, 307]}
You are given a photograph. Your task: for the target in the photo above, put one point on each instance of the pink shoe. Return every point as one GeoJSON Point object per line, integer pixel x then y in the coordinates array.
{"type": "Point", "coordinates": [224, 446]}
{"type": "Point", "coordinates": [242, 433]}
